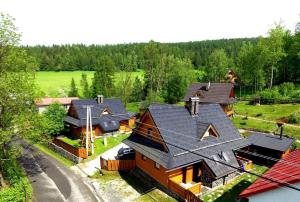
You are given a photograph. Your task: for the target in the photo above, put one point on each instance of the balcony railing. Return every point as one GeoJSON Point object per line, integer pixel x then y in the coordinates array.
{"type": "Point", "coordinates": [186, 191]}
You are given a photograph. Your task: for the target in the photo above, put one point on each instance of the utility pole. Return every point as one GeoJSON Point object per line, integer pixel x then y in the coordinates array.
{"type": "Point", "coordinates": [89, 129]}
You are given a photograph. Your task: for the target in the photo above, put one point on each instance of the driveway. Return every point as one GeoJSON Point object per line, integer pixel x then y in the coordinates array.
{"type": "Point", "coordinates": [52, 181]}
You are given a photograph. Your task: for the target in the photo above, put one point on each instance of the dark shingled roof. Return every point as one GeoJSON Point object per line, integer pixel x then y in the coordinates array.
{"type": "Point", "coordinates": [270, 141]}
{"type": "Point", "coordinates": [177, 127]}
{"type": "Point", "coordinates": [108, 122]}
{"type": "Point", "coordinates": [217, 93]}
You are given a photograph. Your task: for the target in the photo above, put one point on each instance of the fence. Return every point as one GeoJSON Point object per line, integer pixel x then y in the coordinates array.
{"type": "Point", "coordinates": [188, 194]}
{"type": "Point", "coordinates": [80, 152]}
{"type": "Point", "coordinates": [115, 165]}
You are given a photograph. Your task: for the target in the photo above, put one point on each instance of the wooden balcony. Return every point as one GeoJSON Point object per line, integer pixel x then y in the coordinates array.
{"type": "Point", "coordinates": [186, 191]}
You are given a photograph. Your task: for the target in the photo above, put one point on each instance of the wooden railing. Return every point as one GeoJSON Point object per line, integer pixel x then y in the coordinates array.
{"type": "Point", "coordinates": [115, 165]}
{"type": "Point", "coordinates": [187, 194]}
{"type": "Point", "coordinates": [80, 152]}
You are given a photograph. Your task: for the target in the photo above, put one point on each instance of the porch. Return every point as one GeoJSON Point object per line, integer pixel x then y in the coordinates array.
{"type": "Point", "coordinates": [187, 183]}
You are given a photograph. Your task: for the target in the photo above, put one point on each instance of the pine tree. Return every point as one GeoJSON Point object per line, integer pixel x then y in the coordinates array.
{"type": "Point", "coordinates": [85, 86]}
{"type": "Point", "coordinates": [103, 77]}
{"type": "Point", "coordinates": [73, 89]}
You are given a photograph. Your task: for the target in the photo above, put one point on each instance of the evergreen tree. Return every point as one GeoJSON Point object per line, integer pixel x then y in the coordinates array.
{"type": "Point", "coordinates": [73, 89]}
{"type": "Point", "coordinates": [103, 78]}
{"type": "Point", "coordinates": [137, 93]}
{"type": "Point", "coordinates": [85, 86]}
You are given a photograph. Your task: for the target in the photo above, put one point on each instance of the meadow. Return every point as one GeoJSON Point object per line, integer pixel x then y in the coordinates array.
{"type": "Point", "coordinates": [57, 84]}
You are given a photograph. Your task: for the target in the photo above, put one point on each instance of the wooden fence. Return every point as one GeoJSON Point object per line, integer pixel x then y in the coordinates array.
{"type": "Point", "coordinates": [115, 165]}
{"type": "Point", "coordinates": [80, 152]}
{"type": "Point", "coordinates": [188, 194]}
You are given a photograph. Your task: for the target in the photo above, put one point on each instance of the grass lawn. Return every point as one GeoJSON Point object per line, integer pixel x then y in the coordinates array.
{"type": "Point", "coordinates": [230, 191]}
{"type": "Point", "coordinates": [262, 126]}
{"type": "Point", "coordinates": [111, 142]}
{"type": "Point", "coordinates": [53, 154]}
{"type": "Point", "coordinates": [75, 143]}
{"type": "Point", "coordinates": [268, 112]}
{"type": "Point", "coordinates": [130, 188]}
{"type": "Point", "coordinates": [52, 82]}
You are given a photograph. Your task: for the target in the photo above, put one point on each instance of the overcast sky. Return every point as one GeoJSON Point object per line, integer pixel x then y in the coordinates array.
{"type": "Point", "coordinates": [122, 21]}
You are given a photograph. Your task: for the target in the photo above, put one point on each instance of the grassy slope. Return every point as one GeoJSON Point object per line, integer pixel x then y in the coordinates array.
{"type": "Point", "coordinates": [265, 127]}
{"type": "Point", "coordinates": [268, 112]}
{"type": "Point", "coordinates": [230, 191]}
{"type": "Point", "coordinates": [51, 82]}
{"type": "Point", "coordinates": [55, 155]}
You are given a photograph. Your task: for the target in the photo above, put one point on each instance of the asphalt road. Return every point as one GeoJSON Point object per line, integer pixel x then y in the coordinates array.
{"type": "Point", "coordinates": [51, 180]}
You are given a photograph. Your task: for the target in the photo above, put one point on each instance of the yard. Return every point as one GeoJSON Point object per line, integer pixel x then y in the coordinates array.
{"type": "Point", "coordinates": [230, 191]}
{"type": "Point", "coordinates": [258, 125]}
{"type": "Point", "coordinates": [267, 112]}
{"type": "Point", "coordinates": [52, 83]}
{"type": "Point", "coordinates": [112, 141]}
{"type": "Point", "coordinates": [123, 186]}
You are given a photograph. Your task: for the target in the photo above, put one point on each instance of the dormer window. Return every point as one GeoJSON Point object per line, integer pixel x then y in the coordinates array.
{"type": "Point", "coordinates": [210, 131]}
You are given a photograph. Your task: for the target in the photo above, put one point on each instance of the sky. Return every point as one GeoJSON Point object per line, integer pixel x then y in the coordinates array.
{"type": "Point", "coordinates": [48, 22]}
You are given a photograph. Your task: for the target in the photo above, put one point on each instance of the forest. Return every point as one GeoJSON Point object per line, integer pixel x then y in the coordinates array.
{"type": "Point", "coordinates": [260, 63]}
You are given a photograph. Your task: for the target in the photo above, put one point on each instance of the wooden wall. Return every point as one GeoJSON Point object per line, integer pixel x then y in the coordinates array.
{"type": "Point", "coordinates": [148, 122]}
{"type": "Point", "coordinates": [80, 152]}
{"type": "Point", "coordinates": [148, 166]}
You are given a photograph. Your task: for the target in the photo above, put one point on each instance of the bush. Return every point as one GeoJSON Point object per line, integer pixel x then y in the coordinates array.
{"type": "Point", "coordinates": [18, 181]}
{"type": "Point", "coordinates": [294, 118]}
{"type": "Point", "coordinates": [286, 89]}
{"type": "Point", "coordinates": [269, 96]}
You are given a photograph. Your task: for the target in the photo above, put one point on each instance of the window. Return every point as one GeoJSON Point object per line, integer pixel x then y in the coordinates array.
{"type": "Point", "coordinates": [157, 166]}
{"type": "Point", "coordinates": [144, 157]}
{"type": "Point", "coordinates": [149, 132]}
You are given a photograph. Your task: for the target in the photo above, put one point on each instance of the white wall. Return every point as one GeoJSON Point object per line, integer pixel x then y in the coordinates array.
{"type": "Point", "coordinates": [282, 194]}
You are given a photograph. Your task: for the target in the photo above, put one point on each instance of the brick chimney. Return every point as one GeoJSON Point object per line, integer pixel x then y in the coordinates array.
{"type": "Point", "coordinates": [100, 99]}
{"type": "Point", "coordinates": [193, 105]}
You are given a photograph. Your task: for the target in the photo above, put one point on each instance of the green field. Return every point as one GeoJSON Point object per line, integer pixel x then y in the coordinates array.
{"type": "Point", "coordinates": [57, 84]}
{"type": "Point", "coordinates": [267, 112]}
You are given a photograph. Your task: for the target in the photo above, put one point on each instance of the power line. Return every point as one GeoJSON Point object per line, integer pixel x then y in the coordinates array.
{"type": "Point", "coordinates": [273, 170]}
{"type": "Point", "coordinates": [214, 144]}
{"type": "Point", "coordinates": [209, 158]}
{"type": "Point", "coordinates": [234, 167]}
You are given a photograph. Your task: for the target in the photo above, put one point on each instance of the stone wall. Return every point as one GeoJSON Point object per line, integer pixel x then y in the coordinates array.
{"type": "Point", "coordinates": [64, 153]}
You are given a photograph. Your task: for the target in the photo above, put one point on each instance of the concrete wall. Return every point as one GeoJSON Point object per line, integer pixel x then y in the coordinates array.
{"type": "Point", "coordinates": [277, 195]}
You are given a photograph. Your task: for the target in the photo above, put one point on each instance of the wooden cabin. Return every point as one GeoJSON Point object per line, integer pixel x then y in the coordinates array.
{"type": "Point", "coordinates": [220, 93]}
{"type": "Point", "coordinates": [108, 117]}
{"type": "Point", "coordinates": [164, 130]}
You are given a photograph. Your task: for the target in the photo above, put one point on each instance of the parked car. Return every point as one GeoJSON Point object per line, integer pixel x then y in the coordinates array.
{"type": "Point", "coordinates": [126, 152]}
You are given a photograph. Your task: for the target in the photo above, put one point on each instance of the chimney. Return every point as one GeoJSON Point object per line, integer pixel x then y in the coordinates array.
{"type": "Point", "coordinates": [208, 86]}
{"type": "Point", "coordinates": [100, 99]}
{"type": "Point", "coordinates": [193, 105]}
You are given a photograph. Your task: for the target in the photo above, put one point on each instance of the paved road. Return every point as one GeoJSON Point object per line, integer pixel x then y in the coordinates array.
{"type": "Point", "coordinates": [52, 181]}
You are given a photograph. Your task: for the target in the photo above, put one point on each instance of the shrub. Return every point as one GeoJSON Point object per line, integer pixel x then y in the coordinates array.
{"type": "Point", "coordinates": [18, 181]}
{"type": "Point", "coordinates": [269, 96]}
{"type": "Point", "coordinates": [286, 88]}
{"type": "Point", "coordinates": [294, 118]}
